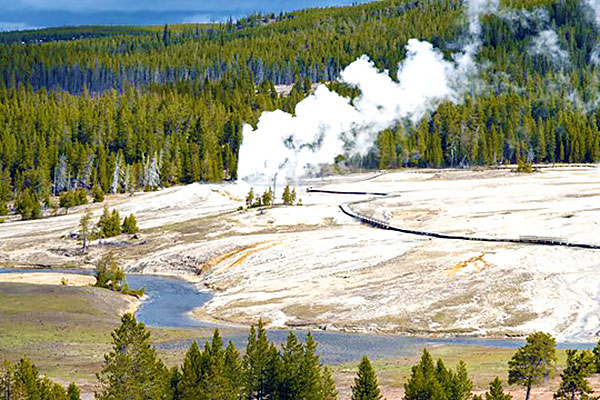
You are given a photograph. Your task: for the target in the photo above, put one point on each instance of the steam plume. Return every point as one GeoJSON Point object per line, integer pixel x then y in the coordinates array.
{"type": "Point", "coordinates": [546, 42]}
{"type": "Point", "coordinates": [326, 124]}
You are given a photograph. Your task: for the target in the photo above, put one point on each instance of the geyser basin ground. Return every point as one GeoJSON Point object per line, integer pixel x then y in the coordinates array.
{"type": "Point", "coordinates": [313, 266]}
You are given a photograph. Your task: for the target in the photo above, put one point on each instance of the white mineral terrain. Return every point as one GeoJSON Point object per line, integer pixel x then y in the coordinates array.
{"type": "Point", "coordinates": [314, 266]}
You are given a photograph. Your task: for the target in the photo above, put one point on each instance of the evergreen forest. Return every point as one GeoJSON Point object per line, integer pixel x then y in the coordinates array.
{"type": "Point", "coordinates": [128, 108]}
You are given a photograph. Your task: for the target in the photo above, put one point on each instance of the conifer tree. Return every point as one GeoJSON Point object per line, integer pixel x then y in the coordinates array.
{"type": "Point", "coordinates": [232, 372]}
{"type": "Point", "coordinates": [311, 384]}
{"type": "Point", "coordinates": [214, 384]}
{"type": "Point", "coordinates": [132, 369]}
{"type": "Point", "coordinates": [533, 362]}
{"type": "Point", "coordinates": [286, 197]}
{"type": "Point", "coordinates": [130, 225]}
{"type": "Point", "coordinates": [175, 377]}
{"type": "Point", "coordinates": [365, 384]}
{"type": "Point", "coordinates": [424, 382]}
{"type": "Point", "coordinates": [85, 226]}
{"type": "Point", "coordinates": [73, 392]}
{"type": "Point", "coordinates": [27, 379]}
{"type": "Point", "coordinates": [496, 392]}
{"type": "Point", "coordinates": [461, 386]}
{"type": "Point", "coordinates": [67, 200]}
{"type": "Point", "coordinates": [97, 194]}
{"type": "Point", "coordinates": [573, 383]}
{"type": "Point", "coordinates": [191, 373]}
{"type": "Point", "coordinates": [28, 206]}
{"type": "Point", "coordinates": [109, 224]}
{"type": "Point", "coordinates": [256, 364]}
{"type": "Point", "coordinates": [329, 390]}
{"type": "Point", "coordinates": [291, 368]}
{"type": "Point", "coordinates": [250, 198]}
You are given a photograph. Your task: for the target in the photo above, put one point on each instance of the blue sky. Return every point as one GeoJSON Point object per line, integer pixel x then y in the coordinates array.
{"type": "Point", "coordinates": [26, 14]}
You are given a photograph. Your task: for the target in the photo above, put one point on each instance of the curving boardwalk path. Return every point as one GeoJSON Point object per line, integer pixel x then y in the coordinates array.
{"type": "Point", "coordinates": [377, 223]}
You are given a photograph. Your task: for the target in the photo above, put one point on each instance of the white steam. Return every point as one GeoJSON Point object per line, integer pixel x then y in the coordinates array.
{"type": "Point", "coordinates": [477, 8]}
{"type": "Point", "coordinates": [595, 6]}
{"type": "Point", "coordinates": [326, 124]}
{"type": "Point", "coordinates": [546, 43]}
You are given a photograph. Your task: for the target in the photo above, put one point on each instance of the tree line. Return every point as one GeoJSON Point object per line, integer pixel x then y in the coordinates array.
{"type": "Point", "coordinates": [120, 109]}
{"type": "Point", "coordinates": [132, 370]}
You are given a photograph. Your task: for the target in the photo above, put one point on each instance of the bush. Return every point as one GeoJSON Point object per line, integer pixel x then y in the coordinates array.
{"type": "Point", "coordinates": [109, 273]}
{"type": "Point", "coordinates": [67, 200]}
{"type": "Point", "coordinates": [130, 225]}
{"type": "Point", "coordinates": [97, 194]}
{"type": "Point", "coordinates": [137, 293]}
{"type": "Point", "coordinates": [524, 167]}
{"type": "Point", "coordinates": [28, 206]}
{"type": "Point", "coordinates": [81, 197]}
{"type": "Point", "coordinates": [73, 198]}
{"type": "Point", "coordinates": [109, 224]}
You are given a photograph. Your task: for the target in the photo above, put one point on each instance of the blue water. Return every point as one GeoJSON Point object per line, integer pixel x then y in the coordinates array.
{"type": "Point", "coordinates": [169, 300]}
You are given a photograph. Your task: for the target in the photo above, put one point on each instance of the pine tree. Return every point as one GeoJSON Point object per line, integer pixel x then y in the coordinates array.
{"type": "Point", "coordinates": [310, 372]}
{"type": "Point", "coordinates": [256, 364]}
{"type": "Point", "coordinates": [496, 392]}
{"type": "Point", "coordinates": [97, 194]}
{"type": "Point", "coordinates": [175, 377]}
{"type": "Point", "coordinates": [213, 386]}
{"type": "Point", "coordinates": [67, 200]}
{"type": "Point", "coordinates": [132, 369]}
{"type": "Point", "coordinates": [286, 197]}
{"type": "Point", "coordinates": [365, 384]}
{"type": "Point", "coordinates": [573, 384]}
{"type": "Point", "coordinates": [461, 386]}
{"type": "Point", "coordinates": [232, 370]}
{"type": "Point", "coordinates": [291, 366]}
{"type": "Point", "coordinates": [109, 274]}
{"type": "Point", "coordinates": [28, 206]}
{"type": "Point", "coordinates": [27, 379]}
{"type": "Point", "coordinates": [109, 224]}
{"type": "Point", "coordinates": [130, 225]}
{"type": "Point", "coordinates": [533, 362]}
{"type": "Point", "coordinates": [191, 374]}
{"type": "Point", "coordinates": [250, 198]}
{"type": "Point", "coordinates": [73, 392]}
{"type": "Point", "coordinates": [85, 229]}
{"type": "Point", "coordinates": [267, 197]}
{"type": "Point", "coordinates": [328, 384]}
{"type": "Point", "coordinates": [424, 382]}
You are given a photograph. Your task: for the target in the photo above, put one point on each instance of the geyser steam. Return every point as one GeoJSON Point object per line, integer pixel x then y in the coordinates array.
{"type": "Point", "coordinates": [326, 124]}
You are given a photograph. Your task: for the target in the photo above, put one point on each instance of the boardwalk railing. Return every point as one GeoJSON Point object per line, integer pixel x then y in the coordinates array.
{"type": "Point", "coordinates": [544, 241]}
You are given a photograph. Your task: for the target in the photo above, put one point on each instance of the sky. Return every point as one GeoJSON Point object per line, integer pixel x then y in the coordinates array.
{"type": "Point", "coordinates": [31, 14]}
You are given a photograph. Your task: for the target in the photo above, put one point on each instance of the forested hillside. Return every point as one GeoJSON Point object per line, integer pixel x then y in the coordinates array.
{"type": "Point", "coordinates": [129, 108]}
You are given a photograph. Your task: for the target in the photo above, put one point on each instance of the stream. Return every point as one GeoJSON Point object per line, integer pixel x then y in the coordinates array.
{"type": "Point", "coordinates": [169, 300]}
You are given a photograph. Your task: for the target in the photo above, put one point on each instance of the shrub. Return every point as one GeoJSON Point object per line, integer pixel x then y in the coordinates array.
{"type": "Point", "coordinates": [97, 194]}
{"type": "Point", "coordinates": [67, 200]}
{"type": "Point", "coordinates": [524, 167]}
{"type": "Point", "coordinates": [109, 224]}
{"type": "Point", "coordinates": [81, 197]}
{"type": "Point", "coordinates": [130, 224]}
{"type": "Point", "coordinates": [28, 206]}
